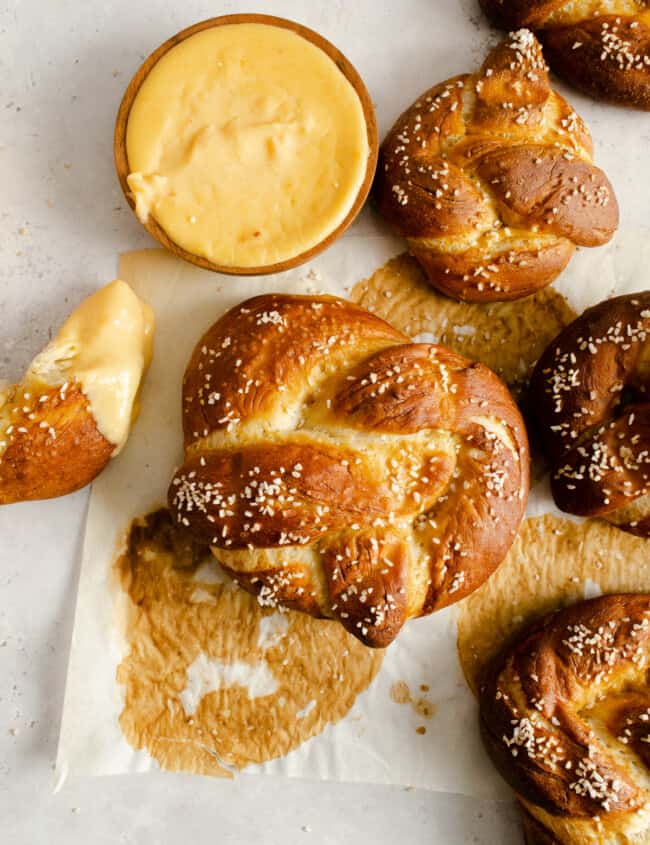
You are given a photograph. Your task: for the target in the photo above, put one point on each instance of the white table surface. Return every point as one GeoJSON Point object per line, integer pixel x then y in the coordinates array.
{"type": "Point", "coordinates": [63, 67]}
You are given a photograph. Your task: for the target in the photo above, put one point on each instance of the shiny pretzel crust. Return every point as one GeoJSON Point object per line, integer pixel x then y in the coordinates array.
{"type": "Point", "coordinates": [338, 469]}
{"type": "Point", "coordinates": [565, 716]}
{"type": "Point", "coordinates": [589, 396]}
{"type": "Point", "coordinates": [490, 179]}
{"type": "Point", "coordinates": [601, 47]}
{"type": "Point", "coordinates": [50, 444]}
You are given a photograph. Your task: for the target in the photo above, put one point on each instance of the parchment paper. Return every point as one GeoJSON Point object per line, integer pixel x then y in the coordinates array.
{"type": "Point", "coordinates": [377, 742]}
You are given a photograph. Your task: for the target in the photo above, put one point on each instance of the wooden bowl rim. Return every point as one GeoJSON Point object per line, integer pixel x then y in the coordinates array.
{"type": "Point", "coordinates": [344, 65]}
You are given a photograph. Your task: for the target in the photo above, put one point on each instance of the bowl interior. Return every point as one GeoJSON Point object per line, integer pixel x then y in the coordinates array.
{"type": "Point", "coordinates": [348, 70]}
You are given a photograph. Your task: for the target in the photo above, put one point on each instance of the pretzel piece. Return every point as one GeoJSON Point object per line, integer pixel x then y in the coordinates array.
{"type": "Point", "coordinates": [72, 411]}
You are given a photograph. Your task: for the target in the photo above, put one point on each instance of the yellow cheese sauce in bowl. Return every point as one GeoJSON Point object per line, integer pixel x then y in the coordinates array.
{"type": "Point", "coordinates": [246, 144]}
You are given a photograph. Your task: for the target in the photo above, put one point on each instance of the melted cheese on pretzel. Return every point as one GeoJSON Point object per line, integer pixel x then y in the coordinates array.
{"type": "Point", "coordinates": [105, 345]}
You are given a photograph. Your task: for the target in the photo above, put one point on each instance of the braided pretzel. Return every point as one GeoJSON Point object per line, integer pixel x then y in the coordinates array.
{"type": "Point", "coordinates": [601, 47]}
{"type": "Point", "coordinates": [565, 716]}
{"type": "Point", "coordinates": [489, 178]}
{"type": "Point", "coordinates": [589, 395]}
{"type": "Point", "coordinates": [340, 470]}
{"type": "Point", "coordinates": [72, 411]}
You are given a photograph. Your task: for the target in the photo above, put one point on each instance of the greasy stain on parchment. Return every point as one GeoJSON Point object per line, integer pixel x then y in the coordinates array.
{"type": "Point", "coordinates": [507, 336]}
{"type": "Point", "coordinates": [400, 693]}
{"type": "Point", "coordinates": [553, 562]}
{"type": "Point", "coordinates": [212, 681]}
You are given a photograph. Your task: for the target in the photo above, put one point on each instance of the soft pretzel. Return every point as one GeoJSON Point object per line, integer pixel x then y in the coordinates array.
{"type": "Point", "coordinates": [340, 470]}
{"type": "Point", "coordinates": [601, 47]}
{"type": "Point", "coordinates": [565, 716]}
{"type": "Point", "coordinates": [490, 179]}
{"type": "Point", "coordinates": [72, 411]}
{"type": "Point", "coordinates": [589, 396]}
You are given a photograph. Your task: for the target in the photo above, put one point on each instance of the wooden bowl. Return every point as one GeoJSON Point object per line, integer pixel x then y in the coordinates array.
{"type": "Point", "coordinates": [122, 161]}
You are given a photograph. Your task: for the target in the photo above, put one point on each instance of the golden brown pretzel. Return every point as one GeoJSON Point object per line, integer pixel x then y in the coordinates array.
{"type": "Point", "coordinates": [490, 179]}
{"type": "Point", "coordinates": [589, 395]}
{"type": "Point", "coordinates": [72, 411]}
{"type": "Point", "coordinates": [565, 716]}
{"type": "Point", "coordinates": [600, 46]}
{"type": "Point", "coordinates": [340, 470]}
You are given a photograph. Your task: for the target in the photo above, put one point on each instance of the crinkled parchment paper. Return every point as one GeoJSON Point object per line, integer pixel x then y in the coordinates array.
{"type": "Point", "coordinates": [416, 722]}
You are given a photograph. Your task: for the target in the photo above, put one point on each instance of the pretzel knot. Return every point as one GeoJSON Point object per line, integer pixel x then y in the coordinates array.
{"type": "Point", "coordinates": [565, 715]}
{"type": "Point", "coordinates": [490, 178]}
{"type": "Point", "coordinates": [589, 392]}
{"type": "Point", "coordinates": [603, 48]}
{"type": "Point", "coordinates": [340, 470]}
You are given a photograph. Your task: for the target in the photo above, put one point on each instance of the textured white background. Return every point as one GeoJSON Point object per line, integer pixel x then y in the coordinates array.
{"type": "Point", "coordinates": [63, 66]}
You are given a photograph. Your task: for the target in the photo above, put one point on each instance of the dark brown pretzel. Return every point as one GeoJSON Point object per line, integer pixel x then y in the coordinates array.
{"type": "Point", "coordinates": [490, 179]}
{"type": "Point", "coordinates": [603, 48]}
{"type": "Point", "coordinates": [589, 397]}
{"type": "Point", "coordinates": [565, 716]}
{"type": "Point", "coordinates": [340, 470]}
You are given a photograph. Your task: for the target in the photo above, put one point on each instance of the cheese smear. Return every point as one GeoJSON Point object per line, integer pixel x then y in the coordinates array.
{"type": "Point", "coordinates": [106, 346]}
{"type": "Point", "coordinates": [247, 144]}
